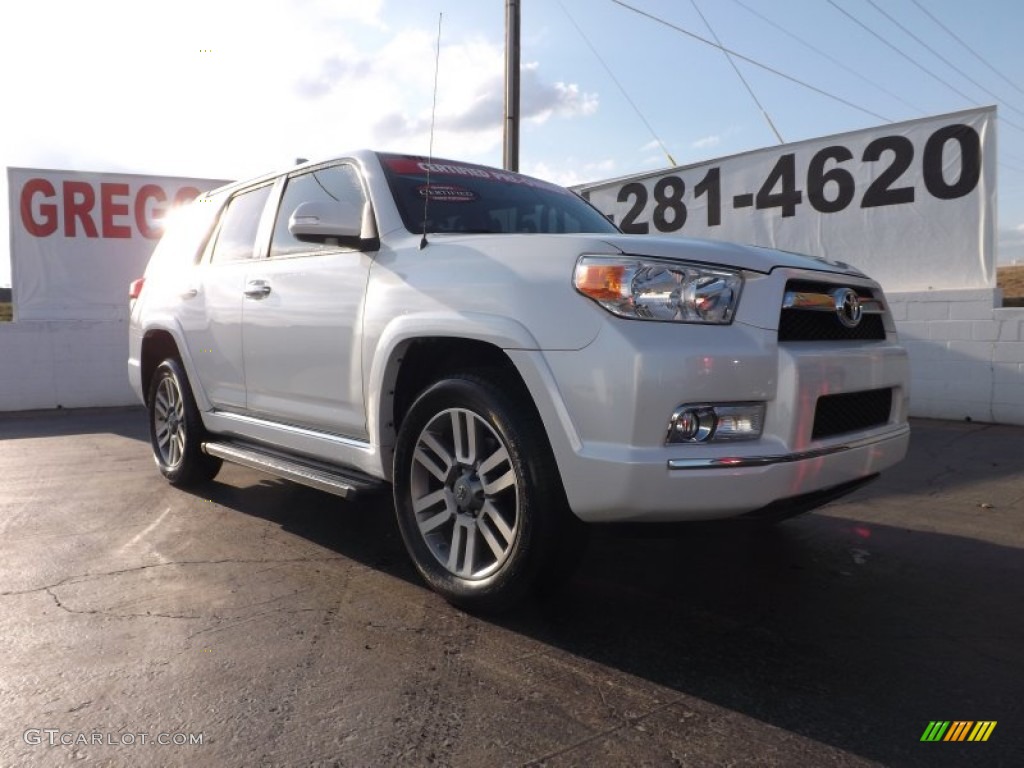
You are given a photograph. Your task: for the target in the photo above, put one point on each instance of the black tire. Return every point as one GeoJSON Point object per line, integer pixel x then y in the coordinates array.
{"type": "Point", "coordinates": [501, 488]}
{"type": "Point", "coordinates": [176, 432]}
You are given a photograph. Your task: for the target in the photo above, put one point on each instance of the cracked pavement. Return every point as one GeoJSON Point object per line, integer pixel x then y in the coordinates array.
{"type": "Point", "coordinates": [288, 628]}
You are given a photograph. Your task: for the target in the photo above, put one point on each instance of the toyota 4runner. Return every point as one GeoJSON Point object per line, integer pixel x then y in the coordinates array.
{"type": "Point", "coordinates": [495, 349]}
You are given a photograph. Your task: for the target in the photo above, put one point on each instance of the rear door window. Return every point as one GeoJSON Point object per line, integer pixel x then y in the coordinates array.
{"type": "Point", "coordinates": [239, 224]}
{"type": "Point", "coordinates": [186, 232]}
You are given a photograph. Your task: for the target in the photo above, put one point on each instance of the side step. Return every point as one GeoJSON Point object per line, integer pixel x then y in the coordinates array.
{"type": "Point", "coordinates": [324, 477]}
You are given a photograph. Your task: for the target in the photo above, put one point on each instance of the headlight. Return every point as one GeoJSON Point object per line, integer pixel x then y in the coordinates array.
{"type": "Point", "coordinates": [650, 289]}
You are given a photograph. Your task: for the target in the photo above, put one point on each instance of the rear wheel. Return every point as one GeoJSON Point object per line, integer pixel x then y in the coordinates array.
{"type": "Point", "coordinates": [479, 502]}
{"type": "Point", "coordinates": [175, 428]}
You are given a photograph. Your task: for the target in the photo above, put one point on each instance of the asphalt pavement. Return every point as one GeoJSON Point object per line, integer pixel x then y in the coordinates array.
{"type": "Point", "coordinates": [256, 622]}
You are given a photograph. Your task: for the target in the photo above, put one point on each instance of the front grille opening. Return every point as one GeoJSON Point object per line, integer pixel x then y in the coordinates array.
{"type": "Point", "coordinates": [851, 412]}
{"type": "Point", "coordinates": [798, 325]}
{"type": "Point", "coordinates": [805, 325]}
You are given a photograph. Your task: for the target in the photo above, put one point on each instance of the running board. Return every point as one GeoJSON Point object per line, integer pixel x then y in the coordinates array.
{"type": "Point", "coordinates": [324, 477]}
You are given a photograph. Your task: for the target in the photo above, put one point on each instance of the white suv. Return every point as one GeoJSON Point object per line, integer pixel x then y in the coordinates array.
{"type": "Point", "coordinates": [512, 364]}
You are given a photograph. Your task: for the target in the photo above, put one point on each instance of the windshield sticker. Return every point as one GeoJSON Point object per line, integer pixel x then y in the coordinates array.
{"type": "Point", "coordinates": [447, 193]}
{"type": "Point", "coordinates": [407, 165]}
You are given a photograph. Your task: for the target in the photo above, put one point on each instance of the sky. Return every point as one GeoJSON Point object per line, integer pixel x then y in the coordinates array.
{"type": "Point", "coordinates": [227, 89]}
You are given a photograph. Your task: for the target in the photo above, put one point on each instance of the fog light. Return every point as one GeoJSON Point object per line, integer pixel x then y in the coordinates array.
{"type": "Point", "coordinates": [691, 425]}
{"type": "Point", "coordinates": [713, 423]}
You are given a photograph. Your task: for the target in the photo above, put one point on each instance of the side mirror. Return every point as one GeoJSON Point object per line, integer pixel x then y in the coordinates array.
{"type": "Point", "coordinates": [320, 222]}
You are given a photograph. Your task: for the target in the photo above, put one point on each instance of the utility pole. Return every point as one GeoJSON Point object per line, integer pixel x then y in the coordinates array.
{"type": "Point", "coordinates": [511, 151]}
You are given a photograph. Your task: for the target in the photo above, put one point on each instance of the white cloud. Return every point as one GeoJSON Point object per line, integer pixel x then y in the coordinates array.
{"type": "Point", "coordinates": [654, 155]}
{"type": "Point", "coordinates": [332, 71]}
{"type": "Point", "coordinates": [572, 172]}
{"type": "Point", "coordinates": [366, 12]}
{"type": "Point", "coordinates": [471, 102]}
{"type": "Point", "coordinates": [251, 87]}
{"type": "Point", "coordinates": [230, 89]}
{"type": "Point", "coordinates": [225, 98]}
{"type": "Point", "coordinates": [541, 100]}
{"type": "Point", "coordinates": [158, 91]}
{"type": "Point", "coordinates": [659, 160]}
{"type": "Point", "coordinates": [707, 142]}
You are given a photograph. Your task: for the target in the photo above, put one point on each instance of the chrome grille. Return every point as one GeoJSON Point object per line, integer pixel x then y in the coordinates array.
{"type": "Point", "coordinates": [809, 314]}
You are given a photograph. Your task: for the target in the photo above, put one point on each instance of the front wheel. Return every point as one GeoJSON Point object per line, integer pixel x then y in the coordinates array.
{"type": "Point", "coordinates": [176, 430]}
{"type": "Point", "coordinates": [478, 498]}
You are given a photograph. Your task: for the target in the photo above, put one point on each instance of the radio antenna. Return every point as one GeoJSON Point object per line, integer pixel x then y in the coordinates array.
{"type": "Point", "coordinates": [430, 150]}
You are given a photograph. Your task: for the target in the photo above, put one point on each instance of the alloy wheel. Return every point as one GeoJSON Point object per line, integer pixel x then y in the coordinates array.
{"type": "Point", "coordinates": [465, 493]}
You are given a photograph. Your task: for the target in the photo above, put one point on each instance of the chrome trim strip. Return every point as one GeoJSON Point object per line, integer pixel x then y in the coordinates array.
{"type": "Point", "coordinates": [740, 462]}
{"type": "Point", "coordinates": [819, 302]}
{"type": "Point", "coordinates": [350, 442]}
{"type": "Point", "coordinates": [825, 302]}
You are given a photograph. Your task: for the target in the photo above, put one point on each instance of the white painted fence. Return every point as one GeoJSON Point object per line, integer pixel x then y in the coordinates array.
{"type": "Point", "coordinates": [966, 355]}
{"type": "Point", "coordinates": [63, 364]}
{"type": "Point", "coordinates": [966, 359]}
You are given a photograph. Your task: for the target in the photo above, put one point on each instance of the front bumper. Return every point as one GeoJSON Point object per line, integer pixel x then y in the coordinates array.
{"type": "Point", "coordinates": [721, 487]}
{"type": "Point", "coordinates": [607, 422]}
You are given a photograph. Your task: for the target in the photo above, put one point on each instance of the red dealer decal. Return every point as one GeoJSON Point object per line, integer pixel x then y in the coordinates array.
{"type": "Point", "coordinates": [408, 165]}
{"type": "Point", "coordinates": [106, 210]}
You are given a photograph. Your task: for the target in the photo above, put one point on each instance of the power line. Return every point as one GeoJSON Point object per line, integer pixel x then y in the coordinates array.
{"type": "Point", "coordinates": [942, 58]}
{"type": "Point", "coordinates": [916, 63]}
{"type": "Point", "coordinates": [792, 79]}
{"type": "Point", "coordinates": [976, 55]}
{"type": "Point", "coordinates": [739, 74]}
{"type": "Point", "coordinates": [615, 80]}
{"type": "Point", "coordinates": [756, 63]}
{"type": "Point", "coordinates": [924, 69]}
{"type": "Point", "coordinates": [830, 57]}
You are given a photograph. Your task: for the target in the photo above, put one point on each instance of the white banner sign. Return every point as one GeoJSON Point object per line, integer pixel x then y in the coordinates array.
{"type": "Point", "coordinates": [911, 204]}
{"type": "Point", "coordinates": [78, 239]}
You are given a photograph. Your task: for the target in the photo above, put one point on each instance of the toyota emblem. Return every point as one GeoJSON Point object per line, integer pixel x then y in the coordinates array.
{"type": "Point", "coordinates": [848, 307]}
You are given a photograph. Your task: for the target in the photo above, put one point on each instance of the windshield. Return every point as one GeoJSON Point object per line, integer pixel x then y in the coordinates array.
{"type": "Point", "coordinates": [475, 198]}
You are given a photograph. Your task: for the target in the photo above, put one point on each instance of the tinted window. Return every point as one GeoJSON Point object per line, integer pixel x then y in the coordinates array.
{"type": "Point", "coordinates": [239, 224]}
{"type": "Point", "coordinates": [338, 183]}
{"type": "Point", "coordinates": [474, 198]}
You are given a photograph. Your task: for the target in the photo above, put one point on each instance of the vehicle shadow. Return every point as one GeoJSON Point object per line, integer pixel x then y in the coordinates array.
{"type": "Point", "coordinates": [841, 630]}
{"type": "Point", "coordinates": [853, 627]}
{"type": "Point", "coordinates": [811, 628]}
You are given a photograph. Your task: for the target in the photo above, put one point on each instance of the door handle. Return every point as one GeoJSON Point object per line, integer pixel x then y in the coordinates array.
{"type": "Point", "coordinates": [190, 293]}
{"type": "Point", "coordinates": [257, 289]}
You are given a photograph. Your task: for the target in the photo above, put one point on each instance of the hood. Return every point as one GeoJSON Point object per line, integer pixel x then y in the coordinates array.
{"type": "Point", "coordinates": [753, 257]}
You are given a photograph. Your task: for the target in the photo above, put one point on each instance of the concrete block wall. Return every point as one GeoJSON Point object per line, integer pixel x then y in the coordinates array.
{"type": "Point", "coordinates": [966, 359]}
{"type": "Point", "coordinates": [67, 364]}
{"type": "Point", "coordinates": [966, 354]}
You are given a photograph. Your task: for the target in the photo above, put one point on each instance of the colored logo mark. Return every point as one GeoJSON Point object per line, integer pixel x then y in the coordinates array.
{"type": "Point", "coordinates": [958, 730]}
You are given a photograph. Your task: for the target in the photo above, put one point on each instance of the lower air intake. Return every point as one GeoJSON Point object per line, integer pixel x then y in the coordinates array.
{"type": "Point", "coordinates": [851, 412]}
